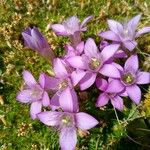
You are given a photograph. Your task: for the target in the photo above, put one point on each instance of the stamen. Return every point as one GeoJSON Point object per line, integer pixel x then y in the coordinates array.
{"type": "Point", "coordinates": [128, 78]}
{"type": "Point", "coordinates": [94, 63]}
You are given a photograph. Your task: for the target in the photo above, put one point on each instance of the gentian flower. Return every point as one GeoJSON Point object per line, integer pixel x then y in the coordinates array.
{"type": "Point", "coordinates": [34, 93]}
{"type": "Point", "coordinates": [71, 28]}
{"type": "Point", "coordinates": [67, 123]}
{"type": "Point", "coordinates": [131, 76]}
{"type": "Point", "coordinates": [35, 40]}
{"type": "Point", "coordinates": [61, 84]}
{"type": "Point", "coordinates": [94, 62]}
{"type": "Point", "coordinates": [124, 33]}
{"type": "Point", "coordinates": [112, 90]}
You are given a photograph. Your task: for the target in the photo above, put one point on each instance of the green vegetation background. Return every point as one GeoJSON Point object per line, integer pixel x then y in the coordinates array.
{"type": "Point", "coordinates": [17, 130]}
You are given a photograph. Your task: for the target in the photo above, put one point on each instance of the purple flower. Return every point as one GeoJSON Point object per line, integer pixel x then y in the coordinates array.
{"type": "Point", "coordinates": [67, 123]}
{"type": "Point", "coordinates": [34, 93]}
{"type": "Point", "coordinates": [94, 62]}
{"type": "Point", "coordinates": [62, 84]}
{"type": "Point", "coordinates": [112, 90]}
{"type": "Point", "coordinates": [34, 39]}
{"type": "Point", "coordinates": [131, 76]}
{"type": "Point", "coordinates": [124, 33]}
{"type": "Point", "coordinates": [71, 28]}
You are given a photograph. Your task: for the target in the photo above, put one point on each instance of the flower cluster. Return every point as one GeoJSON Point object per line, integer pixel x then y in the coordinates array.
{"type": "Point", "coordinates": [83, 65]}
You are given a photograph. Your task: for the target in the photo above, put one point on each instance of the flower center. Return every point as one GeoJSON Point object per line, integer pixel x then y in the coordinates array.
{"type": "Point", "coordinates": [36, 93]}
{"type": "Point", "coordinates": [67, 120]}
{"type": "Point", "coordinates": [111, 94]}
{"type": "Point", "coordinates": [94, 63]}
{"type": "Point", "coordinates": [63, 84]}
{"type": "Point", "coordinates": [128, 78]}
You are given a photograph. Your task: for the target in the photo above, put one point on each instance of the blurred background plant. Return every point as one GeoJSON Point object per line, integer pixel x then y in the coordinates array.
{"type": "Point", "coordinates": [128, 130]}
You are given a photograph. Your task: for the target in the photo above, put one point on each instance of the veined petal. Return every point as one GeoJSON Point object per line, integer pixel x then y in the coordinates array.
{"type": "Point", "coordinates": [59, 68]}
{"type": "Point", "coordinates": [68, 138]}
{"type": "Point", "coordinates": [101, 84]}
{"type": "Point", "coordinates": [77, 62]}
{"type": "Point", "coordinates": [77, 75]}
{"type": "Point", "coordinates": [115, 26]}
{"type": "Point", "coordinates": [50, 118]}
{"type": "Point", "coordinates": [142, 31]}
{"type": "Point", "coordinates": [45, 99]}
{"type": "Point", "coordinates": [132, 63]}
{"type": "Point", "coordinates": [143, 78]}
{"type": "Point", "coordinates": [35, 108]}
{"type": "Point", "coordinates": [133, 23]}
{"type": "Point", "coordinates": [102, 100]}
{"type": "Point", "coordinates": [55, 100]}
{"type": "Point", "coordinates": [115, 86]}
{"type": "Point", "coordinates": [28, 78]}
{"type": "Point", "coordinates": [109, 35]}
{"type": "Point", "coordinates": [109, 51]}
{"type": "Point", "coordinates": [134, 93]}
{"type": "Point", "coordinates": [68, 100]}
{"type": "Point", "coordinates": [50, 83]}
{"type": "Point", "coordinates": [90, 48]}
{"type": "Point", "coordinates": [85, 21]}
{"type": "Point", "coordinates": [24, 96]}
{"type": "Point", "coordinates": [130, 45]}
{"type": "Point", "coordinates": [117, 102]}
{"type": "Point", "coordinates": [85, 121]}
{"type": "Point", "coordinates": [80, 47]}
{"type": "Point", "coordinates": [110, 70]}
{"type": "Point", "coordinates": [59, 29]}
{"type": "Point", "coordinates": [87, 81]}
{"type": "Point", "coordinates": [42, 80]}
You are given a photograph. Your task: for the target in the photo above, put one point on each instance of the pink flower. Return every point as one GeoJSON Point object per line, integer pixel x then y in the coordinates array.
{"type": "Point", "coordinates": [34, 93]}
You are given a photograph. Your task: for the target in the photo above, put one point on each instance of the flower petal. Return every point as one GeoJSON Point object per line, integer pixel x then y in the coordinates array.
{"type": "Point", "coordinates": [50, 118]}
{"type": "Point", "coordinates": [68, 100]}
{"type": "Point", "coordinates": [109, 51]}
{"type": "Point", "coordinates": [50, 83]}
{"type": "Point", "coordinates": [85, 121]}
{"type": "Point", "coordinates": [133, 23]}
{"type": "Point", "coordinates": [90, 48]}
{"type": "Point", "coordinates": [80, 47]}
{"type": "Point", "coordinates": [132, 63]}
{"type": "Point", "coordinates": [130, 45]}
{"type": "Point", "coordinates": [102, 100]}
{"type": "Point", "coordinates": [42, 80]}
{"type": "Point", "coordinates": [142, 31]}
{"type": "Point", "coordinates": [134, 93]}
{"type": "Point", "coordinates": [59, 29]}
{"type": "Point", "coordinates": [35, 108]}
{"type": "Point", "coordinates": [101, 84]}
{"type": "Point", "coordinates": [109, 35]}
{"type": "Point", "coordinates": [45, 99]}
{"type": "Point", "coordinates": [117, 102]}
{"type": "Point", "coordinates": [143, 78]}
{"type": "Point", "coordinates": [24, 96]}
{"type": "Point", "coordinates": [76, 62]}
{"type": "Point", "coordinates": [85, 21]}
{"type": "Point", "coordinates": [115, 26]}
{"type": "Point", "coordinates": [77, 75]}
{"type": "Point", "coordinates": [59, 68]}
{"type": "Point", "coordinates": [28, 78]}
{"type": "Point", "coordinates": [87, 80]}
{"type": "Point", "coordinates": [110, 70]}
{"type": "Point", "coordinates": [115, 86]}
{"type": "Point", "coordinates": [68, 138]}
{"type": "Point", "coordinates": [55, 101]}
